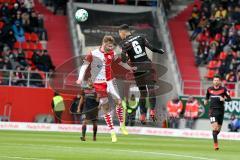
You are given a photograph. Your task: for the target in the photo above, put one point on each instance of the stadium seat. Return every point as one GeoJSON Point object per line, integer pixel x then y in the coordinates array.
{"type": "Point", "coordinates": [34, 37]}
{"type": "Point", "coordinates": [39, 46]}
{"type": "Point", "coordinates": [210, 74]}
{"type": "Point", "coordinates": [212, 64]}
{"type": "Point", "coordinates": [29, 54]}
{"type": "Point", "coordinates": [32, 46]}
{"type": "Point", "coordinates": [25, 46]}
{"type": "Point", "coordinates": [1, 24]}
{"type": "Point", "coordinates": [27, 36]}
{"type": "Point", "coordinates": [17, 45]}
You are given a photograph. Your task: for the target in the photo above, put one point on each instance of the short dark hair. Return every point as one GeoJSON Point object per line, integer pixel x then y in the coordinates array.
{"type": "Point", "coordinates": [124, 27]}
{"type": "Point", "coordinates": [217, 76]}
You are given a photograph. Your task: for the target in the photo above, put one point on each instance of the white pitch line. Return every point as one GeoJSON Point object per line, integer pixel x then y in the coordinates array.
{"type": "Point", "coordinates": [24, 158]}
{"type": "Point", "coordinates": [167, 154]}
{"type": "Point", "coordinates": [111, 150]}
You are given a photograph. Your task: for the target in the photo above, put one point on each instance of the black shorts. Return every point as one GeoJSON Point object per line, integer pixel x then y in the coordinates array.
{"type": "Point", "coordinates": [216, 115]}
{"type": "Point", "coordinates": [90, 109]}
{"type": "Point", "coordinates": [145, 75]}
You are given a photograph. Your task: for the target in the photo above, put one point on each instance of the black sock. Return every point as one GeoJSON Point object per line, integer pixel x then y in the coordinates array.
{"type": "Point", "coordinates": [215, 133]}
{"type": "Point", "coordinates": [84, 128]}
{"type": "Point", "coordinates": [94, 129]}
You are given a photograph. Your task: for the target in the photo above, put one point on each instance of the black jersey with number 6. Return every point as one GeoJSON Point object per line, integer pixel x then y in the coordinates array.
{"type": "Point", "coordinates": [133, 47]}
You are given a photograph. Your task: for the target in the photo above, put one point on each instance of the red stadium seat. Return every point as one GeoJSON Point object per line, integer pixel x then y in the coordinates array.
{"type": "Point", "coordinates": [1, 24]}
{"type": "Point", "coordinates": [25, 45]}
{"type": "Point", "coordinates": [17, 45]}
{"type": "Point", "coordinates": [212, 64]}
{"type": "Point", "coordinates": [27, 36]}
{"type": "Point", "coordinates": [29, 54]}
{"type": "Point", "coordinates": [39, 46]}
{"type": "Point", "coordinates": [33, 46]}
{"type": "Point", "coordinates": [210, 74]}
{"type": "Point", "coordinates": [34, 37]}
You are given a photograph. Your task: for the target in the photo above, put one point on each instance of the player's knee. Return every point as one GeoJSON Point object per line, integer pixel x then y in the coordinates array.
{"type": "Point", "coordinates": [215, 128]}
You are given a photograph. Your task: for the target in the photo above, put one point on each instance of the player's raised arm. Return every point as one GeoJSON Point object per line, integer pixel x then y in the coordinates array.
{"type": "Point", "coordinates": [83, 68]}
{"type": "Point", "coordinates": [151, 47]}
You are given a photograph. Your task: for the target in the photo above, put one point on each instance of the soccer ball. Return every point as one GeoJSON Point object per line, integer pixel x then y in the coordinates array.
{"type": "Point", "coordinates": [81, 15]}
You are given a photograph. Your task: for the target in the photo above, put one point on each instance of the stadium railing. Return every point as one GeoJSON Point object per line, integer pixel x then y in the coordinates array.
{"type": "Point", "coordinates": [7, 78]}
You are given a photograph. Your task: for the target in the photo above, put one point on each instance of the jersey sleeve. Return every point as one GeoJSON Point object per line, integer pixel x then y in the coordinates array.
{"type": "Point", "coordinates": [227, 95]}
{"type": "Point", "coordinates": [151, 47]}
{"type": "Point", "coordinates": [124, 54]}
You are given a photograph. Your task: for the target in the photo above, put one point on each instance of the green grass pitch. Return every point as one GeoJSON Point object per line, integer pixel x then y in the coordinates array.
{"type": "Point", "coordinates": [67, 146]}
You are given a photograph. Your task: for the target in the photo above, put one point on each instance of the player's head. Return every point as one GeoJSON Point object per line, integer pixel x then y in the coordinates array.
{"type": "Point", "coordinates": [124, 31]}
{"type": "Point", "coordinates": [108, 43]}
{"type": "Point", "coordinates": [216, 80]}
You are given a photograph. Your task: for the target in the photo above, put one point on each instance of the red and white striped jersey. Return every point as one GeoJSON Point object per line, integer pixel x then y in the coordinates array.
{"type": "Point", "coordinates": [101, 65]}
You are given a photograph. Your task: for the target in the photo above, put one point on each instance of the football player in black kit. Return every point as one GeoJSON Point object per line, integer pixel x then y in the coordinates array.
{"type": "Point", "coordinates": [216, 94]}
{"type": "Point", "coordinates": [133, 50]}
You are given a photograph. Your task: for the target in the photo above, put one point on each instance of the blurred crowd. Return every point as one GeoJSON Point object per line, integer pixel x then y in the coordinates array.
{"type": "Point", "coordinates": [215, 26]}
{"type": "Point", "coordinates": [23, 44]}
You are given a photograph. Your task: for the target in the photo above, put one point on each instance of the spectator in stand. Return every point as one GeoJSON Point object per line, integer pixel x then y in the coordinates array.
{"type": "Point", "coordinates": [191, 112]}
{"type": "Point", "coordinates": [234, 125]}
{"type": "Point", "coordinates": [220, 13]}
{"type": "Point", "coordinates": [45, 62]}
{"type": "Point", "coordinates": [198, 29]}
{"type": "Point", "coordinates": [18, 31]}
{"type": "Point", "coordinates": [36, 79]}
{"type": "Point", "coordinates": [194, 19]}
{"type": "Point", "coordinates": [235, 16]}
{"type": "Point", "coordinates": [5, 12]}
{"type": "Point", "coordinates": [29, 4]}
{"type": "Point", "coordinates": [60, 4]}
{"type": "Point", "coordinates": [174, 108]}
{"type": "Point", "coordinates": [18, 77]}
{"type": "Point", "coordinates": [9, 38]}
{"type": "Point", "coordinates": [34, 21]}
{"type": "Point", "coordinates": [21, 58]}
{"type": "Point", "coordinates": [231, 79]}
{"type": "Point", "coordinates": [26, 22]}
{"type": "Point", "coordinates": [16, 9]}
{"type": "Point", "coordinates": [35, 57]}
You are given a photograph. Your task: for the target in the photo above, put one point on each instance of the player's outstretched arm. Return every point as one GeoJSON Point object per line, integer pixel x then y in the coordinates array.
{"type": "Point", "coordinates": [126, 66]}
{"type": "Point", "coordinates": [152, 48]}
{"type": "Point", "coordinates": [82, 72]}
